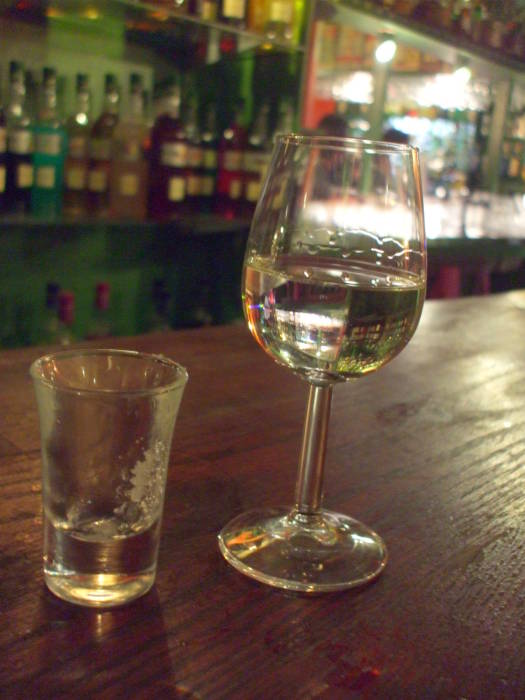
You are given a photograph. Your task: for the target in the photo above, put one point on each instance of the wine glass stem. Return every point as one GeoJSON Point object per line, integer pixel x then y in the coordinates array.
{"type": "Point", "coordinates": [309, 486]}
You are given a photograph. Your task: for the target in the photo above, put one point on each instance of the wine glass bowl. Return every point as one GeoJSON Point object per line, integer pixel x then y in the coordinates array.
{"type": "Point", "coordinates": [333, 286]}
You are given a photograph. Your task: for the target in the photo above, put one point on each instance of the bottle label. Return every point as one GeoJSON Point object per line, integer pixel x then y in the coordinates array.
{"type": "Point", "coordinates": [194, 185]}
{"type": "Point", "coordinates": [129, 185]}
{"type": "Point", "coordinates": [78, 146]}
{"type": "Point", "coordinates": [207, 185]}
{"type": "Point", "coordinates": [2, 178]}
{"type": "Point", "coordinates": [97, 181]}
{"type": "Point", "coordinates": [45, 177]}
{"type": "Point", "coordinates": [281, 11]}
{"type": "Point", "coordinates": [253, 190]}
{"type": "Point", "coordinates": [209, 159]}
{"type": "Point", "coordinates": [100, 149]}
{"type": "Point", "coordinates": [48, 144]}
{"type": "Point", "coordinates": [20, 141]}
{"type": "Point", "coordinates": [195, 156]}
{"type": "Point", "coordinates": [174, 155]}
{"type": "Point", "coordinates": [233, 160]}
{"type": "Point", "coordinates": [24, 176]}
{"type": "Point", "coordinates": [3, 139]}
{"type": "Point", "coordinates": [176, 189]}
{"type": "Point", "coordinates": [234, 9]}
{"type": "Point", "coordinates": [235, 189]}
{"type": "Point", "coordinates": [75, 178]}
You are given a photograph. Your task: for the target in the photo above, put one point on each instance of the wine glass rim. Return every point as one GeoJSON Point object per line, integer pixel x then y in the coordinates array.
{"type": "Point", "coordinates": [346, 143]}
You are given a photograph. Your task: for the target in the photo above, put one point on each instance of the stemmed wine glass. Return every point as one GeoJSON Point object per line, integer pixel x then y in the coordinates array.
{"type": "Point", "coordinates": [333, 286]}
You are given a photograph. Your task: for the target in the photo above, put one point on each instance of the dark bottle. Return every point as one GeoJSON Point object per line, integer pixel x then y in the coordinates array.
{"type": "Point", "coordinates": [194, 157]}
{"type": "Point", "coordinates": [3, 160]}
{"type": "Point", "coordinates": [100, 150]}
{"type": "Point", "coordinates": [19, 161]}
{"type": "Point", "coordinates": [76, 166]}
{"type": "Point", "coordinates": [256, 157]}
{"type": "Point", "coordinates": [233, 12]}
{"type": "Point", "coordinates": [66, 317]}
{"type": "Point", "coordinates": [209, 159]}
{"type": "Point", "coordinates": [160, 307]}
{"type": "Point", "coordinates": [230, 168]}
{"type": "Point", "coordinates": [49, 326]}
{"type": "Point", "coordinates": [168, 160]}
{"type": "Point", "coordinates": [129, 167]}
{"type": "Point", "coordinates": [49, 152]}
{"type": "Point", "coordinates": [100, 326]}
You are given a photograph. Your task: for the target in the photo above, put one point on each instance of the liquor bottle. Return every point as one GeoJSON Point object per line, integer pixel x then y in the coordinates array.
{"type": "Point", "coordinates": [3, 159]}
{"type": "Point", "coordinates": [233, 12]}
{"type": "Point", "coordinates": [285, 119]}
{"type": "Point", "coordinates": [209, 159]}
{"type": "Point", "coordinates": [279, 24]}
{"type": "Point", "coordinates": [100, 326]}
{"type": "Point", "coordinates": [160, 307]}
{"type": "Point", "coordinates": [256, 159]}
{"type": "Point", "coordinates": [257, 15]}
{"type": "Point", "coordinates": [19, 161]}
{"type": "Point", "coordinates": [129, 169]}
{"type": "Point", "coordinates": [168, 160]}
{"type": "Point", "coordinates": [76, 166]}
{"type": "Point", "coordinates": [49, 325]}
{"type": "Point", "coordinates": [66, 317]}
{"type": "Point", "coordinates": [230, 163]}
{"type": "Point", "coordinates": [194, 158]}
{"type": "Point", "coordinates": [100, 150]}
{"type": "Point", "coordinates": [207, 10]}
{"type": "Point", "coordinates": [49, 152]}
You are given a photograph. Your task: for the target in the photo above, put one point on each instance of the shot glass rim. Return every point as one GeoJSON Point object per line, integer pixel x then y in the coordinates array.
{"type": "Point", "coordinates": [349, 144]}
{"type": "Point", "coordinates": [181, 379]}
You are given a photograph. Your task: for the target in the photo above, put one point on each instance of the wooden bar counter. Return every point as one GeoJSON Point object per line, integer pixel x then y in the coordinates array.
{"type": "Point", "coordinates": [430, 452]}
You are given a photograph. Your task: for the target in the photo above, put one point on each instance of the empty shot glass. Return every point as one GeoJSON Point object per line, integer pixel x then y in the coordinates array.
{"type": "Point", "coordinates": [106, 424]}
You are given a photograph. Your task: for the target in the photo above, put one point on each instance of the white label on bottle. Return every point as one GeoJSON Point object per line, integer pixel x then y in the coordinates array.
{"type": "Point", "coordinates": [253, 190]}
{"type": "Point", "coordinates": [174, 155]}
{"type": "Point", "coordinates": [97, 181]}
{"type": "Point", "coordinates": [48, 144]}
{"type": "Point", "coordinates": [24, 175]}
{"type": "Point", "coordinates": [77, 146]}
{"type": "Point", "coordinates": [45, 177]}
{"type": "Point", "coordinates": [100, 149]}
{"type": "Point", "coordinates": [75, 178]}
{"type": "Point", "coordinates": [281, 11]}
{"type": "Point", "coordinates": [2, 178]}
{"type": "Point", "coordinates": [194, 185]}
{"type": "Point", "coordinates": [209, 158]}
{"type": "Point", "coordinates": [233, 160]}
{"type": "Point", "coordinates": [176, 189]}
{"type": "Point", "coordinates": [207, 185]}
{"type": "Point", "coordinates": [234, 9]}
{"type": "Point", "coordinates": [235, 190]}
{"type": "Point", "coordinates": [129, 185]}
{"type": "Point", "coordinates": [20, 141]}
{"type": "Point", "coordinates": [3, 139]}
{"type": "Point", "coordinates": [195, 155]}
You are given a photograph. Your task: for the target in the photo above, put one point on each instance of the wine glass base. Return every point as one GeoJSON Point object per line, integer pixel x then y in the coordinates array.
{"type": "Point", "coordinates": [317, 553]}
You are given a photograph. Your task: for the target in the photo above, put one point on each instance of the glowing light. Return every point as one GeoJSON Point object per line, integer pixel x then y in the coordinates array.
{"type": "Point", "coordinates": [462, 75]}
{"type": "Point", "coordinates": [386, 51]}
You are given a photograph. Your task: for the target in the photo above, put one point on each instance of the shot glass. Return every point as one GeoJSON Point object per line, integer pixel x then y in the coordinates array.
{"type": "Point", "coordinates": [106, 424]}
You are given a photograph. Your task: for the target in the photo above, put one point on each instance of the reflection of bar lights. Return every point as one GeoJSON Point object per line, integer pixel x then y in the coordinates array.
{"type": "Point", "coordinates": [386, 50]}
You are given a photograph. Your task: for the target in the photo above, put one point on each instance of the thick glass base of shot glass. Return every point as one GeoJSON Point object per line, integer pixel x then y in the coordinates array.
{"type": "Point", "coordinates": [318, 553]}
{"type": "Point", "coordinates": [99, 590]}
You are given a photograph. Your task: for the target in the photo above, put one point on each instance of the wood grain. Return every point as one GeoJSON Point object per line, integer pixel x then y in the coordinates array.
{"type": "Point", "coordinates": [430, 451]}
